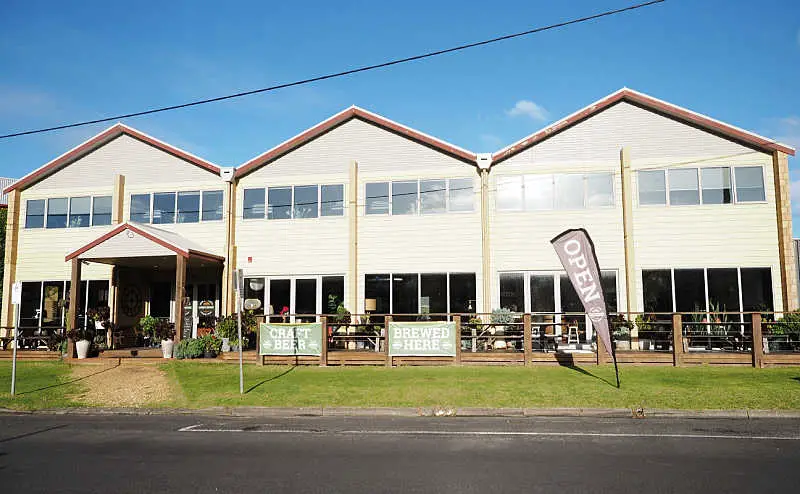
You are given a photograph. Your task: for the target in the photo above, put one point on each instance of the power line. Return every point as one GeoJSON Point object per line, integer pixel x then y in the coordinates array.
{"type": "Point", "coordinates": [339, 74]}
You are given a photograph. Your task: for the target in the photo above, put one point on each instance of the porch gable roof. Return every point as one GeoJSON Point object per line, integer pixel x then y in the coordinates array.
{"type": "Point", "coordinates": [170, 241]}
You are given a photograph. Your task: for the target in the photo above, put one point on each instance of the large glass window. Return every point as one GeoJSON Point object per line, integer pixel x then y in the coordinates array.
{"type": "Point", "coordinates": [163, 208]}
{"type": "Point", "coordinates": [34, 213]}
{"type": "Point", "coordinates": [723, 290]}
{"type": "Point", "coordinates": [657, 290]}
{"type": "Point", "coordinates": [253, 204]}
{"type": "Point", "coordinates": [101, 211]}
{"type": "Point", "coordinates": [79, 211]}
{"type": "Point", "coordinates": [512, 291]}
{"type": "Point", "coordinates": [332, 293]}
{"type": "Point", "coordinates": [599, 190]}
{"type": "Point", "coordinates": [569, 191]}
{"type": "Point", "coordinates": [306, 201]}
{"type": "Point", "coordinates": [509, 193]}
{"type": "Point", "coordinates": [538, 192]}
{"type": "Point", "coordinates": [377, 198]}
{"type": "Point", "coordinates": [160, 299]}
{"type": "Point", "coordinates": [332, 200]}
{"type": "Point", "coordinates": [254, 289]}
{"type": "Point", "coordinates": [405, 297]}
{"type": "Point", "coordinates": [756, 289]}
{"type": "Point", "coordinates": [683, 188]}
{"type": "Point", "coordinates": [30, 306]}
{"type": "Point", "coordinates": [140, 208]}
{"type": "Point", "coordinates": [716, 185]}
{"type": "Point", "coordinates": [188, 207]}
{"type": "Point", "coordinates": [52, 303]}
{"type": "Point", "coordinates": [608, 281]}
{"type": "Point", "coordinates": [690, 293]}
{"type": "Point", "coordinates": [543, 293]}
{"type": "Point", "coordinates": [305, 298]}
{"type": "Point", "coordinates": [280, 293]}
{"type": "Point", "coordinates": [652, 187]}
{"type": "Point", "coordinates": [570, 301]}
{"type": "Point", "coordinates": [432, 195]}
{"type": "Point", "coordinates": [462, 293]}
{"type": "Point", "coordinates": [404, 198]}
{"type": "Point", "coordinates": [433, 294]}
{"type": "Point", "coordinates": [279, 205]}
{"type": "Point", "coordinates": [749, 183]}
{"type": "Point", "coordinates": [212, 205]}
{"type": "Point", "coordinates": [377, 287]}
{"type": "Point", "coordinates": [57, 212]}
{"type": "Point", "coordinates": [460, 194]}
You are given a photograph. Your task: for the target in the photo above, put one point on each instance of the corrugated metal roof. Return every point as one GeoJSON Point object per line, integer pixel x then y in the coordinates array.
{"type": "Point", "coordinates": [5, 182]}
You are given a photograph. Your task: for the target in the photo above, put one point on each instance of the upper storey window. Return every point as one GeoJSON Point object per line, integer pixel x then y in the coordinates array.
{"type": "Point", "coordinates": [412, 197]}
{"type": "Point", "coordinates": [710, 185]}
{"type": "Point", "coordinates": [176, 207]}
{"type": "Point", "coordinates": [68, 212]}
{"type": "Point", "coordinates": [567, 191]}
{"type": "Point", "coordinates": [294, 202]}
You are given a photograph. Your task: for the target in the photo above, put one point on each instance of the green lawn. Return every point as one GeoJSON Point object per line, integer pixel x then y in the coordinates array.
{"type": "Point", "coordinates": [39, 385]}
{"type": "Point", "coordinates": [652, 387]}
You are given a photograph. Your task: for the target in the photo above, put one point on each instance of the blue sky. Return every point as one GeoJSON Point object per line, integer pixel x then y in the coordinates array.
{"type": "Point", "coordinates": [738, 61]}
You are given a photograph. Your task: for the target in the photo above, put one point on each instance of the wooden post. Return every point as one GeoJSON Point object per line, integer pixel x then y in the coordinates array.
{"type": "Point", "coordinates": [457, 321]}
{"type": "Point", "coordinates": [677, 340]}
{"type": "Point", "coordinates": [527, 338]}
{"type": "Point", "coordinates": [74, 290]}
{"type": "Point", "coordinates": [323, 352]}
{"type": "Point", "coordinates": [387, 320]}
{"type": "Point", "coordinates": [758, 342]}
{"type": "Point", "coordinates": [180, 288]}
{"type": "Point", "coordinates": [259, 357]}
{"type": "Point", "coordinates": [602, 353]}
{"type": "Point", "coordinates": [7, 316]}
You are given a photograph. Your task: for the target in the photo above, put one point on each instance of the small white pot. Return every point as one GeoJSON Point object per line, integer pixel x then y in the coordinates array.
{"type": "Point", "coordinates": [226, 344]}
{"type": "Point", "coordinates": [623, 345]}
{"type": "Point", "coordinates": [166, 348]}
{"type": "Point", "coordinates": [83, 348]}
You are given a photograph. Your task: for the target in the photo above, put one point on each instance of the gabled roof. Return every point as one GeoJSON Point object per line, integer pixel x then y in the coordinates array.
{"type": "Point", "coordinates": [99, 140]}
{"type": "Point", "coordinates": [176, 243]}
{"type": "Point", "coordinates": [342, 117]}
{"type": "Point", "coordinates": [651, 103]}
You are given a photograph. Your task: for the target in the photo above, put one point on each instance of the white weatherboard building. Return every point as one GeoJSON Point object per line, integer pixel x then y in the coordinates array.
{"type": "Point", "coordinates": [687, 214]}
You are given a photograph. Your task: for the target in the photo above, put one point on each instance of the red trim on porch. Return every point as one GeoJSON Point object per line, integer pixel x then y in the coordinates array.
{"type": "Point", "coordinates": [119, 229]}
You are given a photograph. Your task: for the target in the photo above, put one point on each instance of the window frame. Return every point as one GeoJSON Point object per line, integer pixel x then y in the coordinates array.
{"type": "Point", "coordinates": [733, 184]}
{"type": "Point", "coordinates": [43, 215]}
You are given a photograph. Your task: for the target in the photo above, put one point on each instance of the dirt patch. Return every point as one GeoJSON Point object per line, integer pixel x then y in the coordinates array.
{"type": "Point", "coordinates": [122, 385]}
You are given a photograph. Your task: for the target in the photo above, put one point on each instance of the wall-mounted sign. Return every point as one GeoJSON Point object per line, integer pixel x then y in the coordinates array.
{"type": "Point", "coordinates": [290, 339]}
{"type": "Point", "coordinates": [252, 304]}
{"type": "Point", "coordinates": [206, 308]}
{"type": "Point", "coordinates": [422, 338]}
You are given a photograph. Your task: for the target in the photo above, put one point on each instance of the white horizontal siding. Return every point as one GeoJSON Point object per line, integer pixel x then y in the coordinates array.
{"type": "Point", "coordinates": [42, 253]}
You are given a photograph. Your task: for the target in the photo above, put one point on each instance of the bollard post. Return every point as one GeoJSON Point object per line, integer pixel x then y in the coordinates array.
{"type": "Point", "coordinates": [323, 352]}
{"type": "Point", "coordinates": [677, 340]}
{"type": "Point", "coordinates": [758, 342]}
{"type": "Point", "coordinates": [527, 338]}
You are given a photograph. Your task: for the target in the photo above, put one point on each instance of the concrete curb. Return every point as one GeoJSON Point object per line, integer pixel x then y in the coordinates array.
{"type": "Point", "coordinates": [282, 412]}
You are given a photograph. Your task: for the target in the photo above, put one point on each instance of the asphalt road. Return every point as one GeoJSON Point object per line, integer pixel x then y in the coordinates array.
{"type": "Point", "coordinates": [115, 454]}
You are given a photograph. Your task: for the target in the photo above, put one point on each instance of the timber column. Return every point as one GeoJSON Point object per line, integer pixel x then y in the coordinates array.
{"type": "Point", "coordinates": [484, 163]}
{"type": "Point", "coordinates": [10, 261]}
{"type": "Point", "coordinates": [180, 289]}
{"type": "Point", "coordinates": [229, 216]}
{"type": "Point", "coordinates": [627, 228]}
{"type": "Point", "coordinates": [788, 267]}
{"type": "Point", "coordinates": [72, 317]}
{"type": "Point", "coordinates": [352, 201]}
{"type": "Point", "coordinates": [117, 208]}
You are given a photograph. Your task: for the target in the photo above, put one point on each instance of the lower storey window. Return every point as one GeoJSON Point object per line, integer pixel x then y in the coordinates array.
{"type": "Point", "coordinates": [425, 293]}
{"type": "Point", "coordinates": [45, 303]}
{"type": "Point", "coordinates": [707, 290]}
{"type": "Point", "coordinates": [295, 298]}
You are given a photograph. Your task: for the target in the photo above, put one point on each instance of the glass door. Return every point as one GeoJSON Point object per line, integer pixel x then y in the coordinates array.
{"type": "Point", "coordinates": [305, 299]}
{"type": "Point", "coordinates": [280, 299]}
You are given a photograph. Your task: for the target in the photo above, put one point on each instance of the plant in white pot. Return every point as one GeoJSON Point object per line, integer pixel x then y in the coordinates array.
{"type": "Point", "coordinates": [165, 331]}
{"type": "Point", "coordinates": [227, 330]}
{"type": "Point", "coordinates": [83, 340]}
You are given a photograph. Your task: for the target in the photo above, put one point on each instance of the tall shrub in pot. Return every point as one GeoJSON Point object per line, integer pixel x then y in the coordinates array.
{"type": "Point", "coordinates": [165, 331]}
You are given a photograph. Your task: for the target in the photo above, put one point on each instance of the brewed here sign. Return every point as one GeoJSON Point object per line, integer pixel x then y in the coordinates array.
{"type": "Point", "coordinates": [411, 339]}
{"type": "Point", "coordinates": [290, 339]}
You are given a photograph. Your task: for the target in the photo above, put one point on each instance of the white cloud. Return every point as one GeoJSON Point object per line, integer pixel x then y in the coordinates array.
{"type": "Point", "coordinates": [528, 108]}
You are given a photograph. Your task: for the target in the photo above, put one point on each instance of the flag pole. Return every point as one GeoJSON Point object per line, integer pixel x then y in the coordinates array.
{"type": "Point", "coordinates": [614, 358]}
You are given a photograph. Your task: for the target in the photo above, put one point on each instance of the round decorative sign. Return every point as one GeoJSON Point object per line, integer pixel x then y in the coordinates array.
{"type": "Point", "coordinates": [206, 308]}
{"type": "Point", "coordinates": [252, 304]}
{"type": "Point", "coordinates": [131, 301]}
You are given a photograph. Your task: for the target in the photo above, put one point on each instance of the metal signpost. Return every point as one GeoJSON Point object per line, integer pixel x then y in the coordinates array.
{"type": "Point", "coordinates": [239, 285]}
{"type": "Point", "coordinates": [16, 299]}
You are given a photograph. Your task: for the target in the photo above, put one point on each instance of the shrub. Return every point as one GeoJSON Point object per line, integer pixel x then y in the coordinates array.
{"type": "Point", "coordinates": [148, 326]}
{"type": "Point", "coordinates": [211, 343]}
{"type": "Point", "coordinates": [226, 327]}
{"type": "Point", "coordinates": [502, 316]}
{"type": "Point", "coordinates": [189, 348]}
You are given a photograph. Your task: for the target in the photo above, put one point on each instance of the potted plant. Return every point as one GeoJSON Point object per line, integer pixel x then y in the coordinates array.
{"type": "Point", "coordinates": [645, 326]}
{"type": "Point", "coordinates": [211, 345]}
{"type": "Point", "coordinates": [82, 338]}
{"type": "Point", "coordinates": [621, 332]}
{"type": "Point", "coordinates": [165, 331]}
{"type": "Point", "coordinates": [226, 330]}
{"type": "Point", "coordinates": [148, 325]}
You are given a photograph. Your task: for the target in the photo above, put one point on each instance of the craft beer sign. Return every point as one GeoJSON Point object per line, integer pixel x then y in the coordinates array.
{"type": "Point", "coordinates": [290, 339]}
{"type": "Point", "coordinates": [408, 339]}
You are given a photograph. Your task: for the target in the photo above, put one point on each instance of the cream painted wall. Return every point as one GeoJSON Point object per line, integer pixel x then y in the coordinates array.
{"type": "Point", "coordinates": [146, 169]}
{"type": "Point", "coordinates": [419, 243]}
{"type": "Point", "coordinates": [729, 235]}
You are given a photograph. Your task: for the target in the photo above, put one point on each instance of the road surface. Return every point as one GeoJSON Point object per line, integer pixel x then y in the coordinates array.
{"type": "Point", "coordinates": [181, 454]}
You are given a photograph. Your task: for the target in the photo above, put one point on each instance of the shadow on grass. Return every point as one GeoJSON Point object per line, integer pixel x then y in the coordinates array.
{"type": "Point", "coordinates": [33, 433]}
{"type": "Point", "coordinates": [71, 381]}
{"type": "Point", "coordinates": [568, 361]}
{"type": "Point", "coordinates": [273, 378]}
{"type": "Point", "coordinates": [796, 379]}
